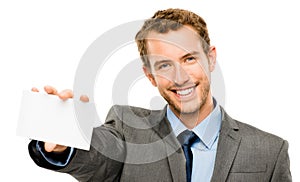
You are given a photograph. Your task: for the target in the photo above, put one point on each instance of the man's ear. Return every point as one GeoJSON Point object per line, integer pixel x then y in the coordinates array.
{"type": "Point", "coordinates": [212, 57]}
{"type": "Point", "coordinates": [149, 75]}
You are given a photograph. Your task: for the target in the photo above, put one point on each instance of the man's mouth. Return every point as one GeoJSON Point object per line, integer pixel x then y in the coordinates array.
{"type": "Point", "coordinates": [184, 92]}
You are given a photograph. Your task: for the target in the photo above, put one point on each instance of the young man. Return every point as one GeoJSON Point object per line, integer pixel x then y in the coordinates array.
{"type": "Point", "coordinates": [191, 139]}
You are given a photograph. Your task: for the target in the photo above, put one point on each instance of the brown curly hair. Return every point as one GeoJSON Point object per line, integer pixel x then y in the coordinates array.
{"type": "Point", "coordinates": [171, 19]}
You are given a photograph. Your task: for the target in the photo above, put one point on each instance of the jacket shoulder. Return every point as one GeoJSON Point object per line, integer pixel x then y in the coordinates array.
{"type": "Point", "coordinates": [131, 115]}
{"type": "Point", "coordinates": [247, 130]}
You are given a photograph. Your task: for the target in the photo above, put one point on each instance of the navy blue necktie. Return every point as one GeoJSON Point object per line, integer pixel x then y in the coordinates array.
{"type": "Point", "coordinates": [186, 139]}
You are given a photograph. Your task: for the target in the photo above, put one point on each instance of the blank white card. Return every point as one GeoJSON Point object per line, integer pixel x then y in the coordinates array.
{"type": "Point", "coordinates": [47, 118]}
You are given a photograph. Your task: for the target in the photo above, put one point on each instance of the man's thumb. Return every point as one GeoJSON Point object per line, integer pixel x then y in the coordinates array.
{"type": "Point", "coordinates": [49, 147]}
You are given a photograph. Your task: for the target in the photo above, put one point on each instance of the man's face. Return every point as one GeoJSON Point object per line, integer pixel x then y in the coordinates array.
{"type": "Point", "coordinates": [180, 69]}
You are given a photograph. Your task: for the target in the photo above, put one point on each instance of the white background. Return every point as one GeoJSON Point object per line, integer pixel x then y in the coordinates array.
{"type": "Point", "coordinates": [257, 43]}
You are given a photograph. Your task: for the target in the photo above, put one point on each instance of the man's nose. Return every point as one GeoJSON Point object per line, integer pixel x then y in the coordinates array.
{"type": "Point", "coordinates": [181, 76]}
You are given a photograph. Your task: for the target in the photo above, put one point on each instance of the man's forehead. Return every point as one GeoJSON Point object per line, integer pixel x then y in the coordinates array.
{"type": "Point", "coordinates": [185, 38]}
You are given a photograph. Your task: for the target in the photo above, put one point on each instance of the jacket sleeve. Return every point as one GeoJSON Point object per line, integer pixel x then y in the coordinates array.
{"type": "Point", "coordinates": [282, 167]}
{"type": "Point", "coordinates": [49, 160]}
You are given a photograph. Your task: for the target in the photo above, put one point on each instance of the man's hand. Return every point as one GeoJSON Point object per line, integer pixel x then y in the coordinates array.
{"type": "Point", "coordinates": [63, 95]}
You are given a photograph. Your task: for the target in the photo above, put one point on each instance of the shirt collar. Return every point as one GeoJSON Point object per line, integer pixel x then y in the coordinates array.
{"type": "Point", "coordinates": [207, 130]}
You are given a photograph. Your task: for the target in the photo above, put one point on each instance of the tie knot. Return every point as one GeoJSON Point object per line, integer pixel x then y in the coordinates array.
{"type": "Point", "coordinates": [187, 138]}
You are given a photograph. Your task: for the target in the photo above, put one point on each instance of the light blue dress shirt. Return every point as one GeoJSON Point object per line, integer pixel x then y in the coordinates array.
{"type": "Point", "coordinates": [204, 151]}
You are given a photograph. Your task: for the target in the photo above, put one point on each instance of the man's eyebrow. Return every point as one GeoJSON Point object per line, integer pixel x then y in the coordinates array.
{"type": "Point", "coordinates": [193, 53]}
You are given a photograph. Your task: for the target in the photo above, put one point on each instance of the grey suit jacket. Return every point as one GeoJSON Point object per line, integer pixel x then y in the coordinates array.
{"type": "Point", "coordinates": [136, 144]}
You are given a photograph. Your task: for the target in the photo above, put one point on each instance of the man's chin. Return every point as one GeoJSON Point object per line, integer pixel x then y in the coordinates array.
{"type": "Point", "coordinates": [187, 110]}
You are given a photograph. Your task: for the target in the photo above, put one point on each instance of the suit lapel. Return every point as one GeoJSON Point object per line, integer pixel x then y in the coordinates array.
{"type": "Point", "coordinates": [229, 141]}
{"type": "Point", "coordinates": [174, 153]}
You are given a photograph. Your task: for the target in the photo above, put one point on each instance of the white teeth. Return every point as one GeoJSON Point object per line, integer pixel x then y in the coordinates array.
{"type": "Point", "coordinates": [184, 92]}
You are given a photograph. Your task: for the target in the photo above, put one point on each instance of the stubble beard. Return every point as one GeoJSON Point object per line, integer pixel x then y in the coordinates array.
{"type": "Point", "coordinates": [189, 108]}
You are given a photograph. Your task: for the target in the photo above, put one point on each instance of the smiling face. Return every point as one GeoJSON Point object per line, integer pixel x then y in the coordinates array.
{"type": "Point", "coordinates": [180, 69]}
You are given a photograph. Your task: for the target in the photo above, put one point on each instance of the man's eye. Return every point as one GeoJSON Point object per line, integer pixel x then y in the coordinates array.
{"type": "Point", "coordinates": [190, 59]}
{"type": "Point", "coordinates": [164, 66]}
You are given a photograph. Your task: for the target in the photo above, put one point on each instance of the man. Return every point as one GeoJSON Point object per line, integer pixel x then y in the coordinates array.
{"type": "Point", "coordinates": [191, 139]}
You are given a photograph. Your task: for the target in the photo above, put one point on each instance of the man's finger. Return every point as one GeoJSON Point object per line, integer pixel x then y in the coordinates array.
{"type": "Point", "coordinates": [49, 147]}
{"type": "Point", "coordinates": [52, 147]}
{"type": "Point", "coordinates": [50, 90]}
{"type": "Point", "coordinates": [59, 148]}
{"type": "Point", "coordinates": [34, 89]}
{"type": "Point", "coordinates": [84, 98]}
{"type": "Point", "coordinates": [65, 94]}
